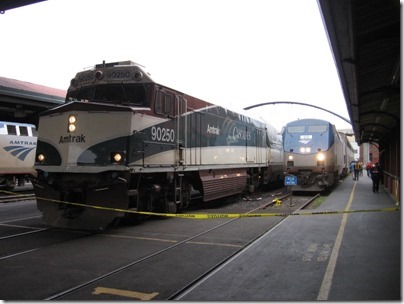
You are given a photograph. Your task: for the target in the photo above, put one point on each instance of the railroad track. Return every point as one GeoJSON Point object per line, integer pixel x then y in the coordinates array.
{"type": "Point", "coordinates": [158, 255]}
{"type": "Point", "coordinates": [178, 295]}
{"type": "Point", "coordinates": [217, 238]}
{"type": "Point", "coordinates": [16, 197]}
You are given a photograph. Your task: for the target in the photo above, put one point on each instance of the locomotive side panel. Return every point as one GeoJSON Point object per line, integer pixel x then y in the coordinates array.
{"type": "Point", "coordinates": [210, 136]}
{"type": "Point", "coordinates": [193, 153]}
{"type": "Point", "coordinates": [339, 153]}
{"type": "Point", "coordinates": [227, 138]}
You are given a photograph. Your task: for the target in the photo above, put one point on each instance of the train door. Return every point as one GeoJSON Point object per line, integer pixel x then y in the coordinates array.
{"type": "Point", "coordinates": [259, 144]}
{"type": "Point", "coordinates": [162, 149]}
{"type": "Point", "coordinates": [194, 134]}
{"type": "Point", "coordinates": [250, 142]}
{"type": "Point", "coordinates": [181, 121]}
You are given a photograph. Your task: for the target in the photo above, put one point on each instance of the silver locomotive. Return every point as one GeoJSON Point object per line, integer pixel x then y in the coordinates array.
{"type": "Point", "coordinates": [124, 142]}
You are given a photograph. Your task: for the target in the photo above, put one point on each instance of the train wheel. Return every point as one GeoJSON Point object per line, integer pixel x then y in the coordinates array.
{"type": "Point", "coordinates": [185, 194]}
{"type": "Point", "coordinates": [10, 183]}
{"type": "Point", "coordinates": [254, 181]}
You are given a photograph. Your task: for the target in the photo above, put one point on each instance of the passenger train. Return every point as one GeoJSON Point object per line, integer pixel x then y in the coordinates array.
{"type": "Point", "coordinates": [17, 153]}
{"type": "Point", "coordinates": [123, 141]}
{"type": "Point", "coordinates": [316, 154]}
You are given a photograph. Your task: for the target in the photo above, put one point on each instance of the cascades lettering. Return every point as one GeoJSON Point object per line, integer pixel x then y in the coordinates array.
{"type": "Point", "coordinates": [238, 135]}
{"type": "Point", "coordinates": [71, 139]}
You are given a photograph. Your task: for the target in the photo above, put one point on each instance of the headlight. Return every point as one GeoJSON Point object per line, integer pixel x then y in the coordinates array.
{"type": "Point", "coordinates": [72, 123]}
{"type": "Point", "coordinates": [320, 156]}
{"type": "Point", "coordinates": [290, 157]}
{"type": "Point", "coordinates": [305, 149]}
{"type": "Point", "coordinates": [117, 157]}
{"type": "Point", "coordinates": [41, 157]}
{"type": "Point", "coordinates": [99, 75]}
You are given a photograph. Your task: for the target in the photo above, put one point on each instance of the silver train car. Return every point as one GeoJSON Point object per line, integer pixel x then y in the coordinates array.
{"type": "Point", "coordinates": [17, 154]}
{"type": "Point", "coordinates": [316, 154]}
{"type": "Point", "coordinates": [125, 142]}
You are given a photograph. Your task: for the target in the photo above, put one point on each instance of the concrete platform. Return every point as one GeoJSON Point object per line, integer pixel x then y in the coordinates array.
{"type": "Point", "coordinates": [336, 257]}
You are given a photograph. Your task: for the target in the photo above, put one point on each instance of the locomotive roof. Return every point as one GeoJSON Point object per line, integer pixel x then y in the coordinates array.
{"type": "Point", "coordinates": [2, 123]}
{"type": "Point", "coordinates": [118, 72]}
{"type": "Point", "coordinates": [308, 121]}
{"type": "Point", "coordinates": [132, 72]}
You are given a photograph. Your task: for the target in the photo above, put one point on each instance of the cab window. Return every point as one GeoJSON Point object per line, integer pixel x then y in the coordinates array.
{"type": "Point", "coordinates": [165, 104]}
{"type": "Point", "coordinates": [11, 130]}
{"type": "Point", "coordinates": [23, 131]}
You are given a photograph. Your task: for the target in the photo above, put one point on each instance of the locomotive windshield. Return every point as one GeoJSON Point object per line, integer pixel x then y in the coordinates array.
{"type": "Point", "coordinates": [121, 94]}
{"type": "Point", "coordinates": [317, 128]}
{"type": "Point", "coordinates": [308, 135]}
{"type": "Point", "coordinates": [309, 129]}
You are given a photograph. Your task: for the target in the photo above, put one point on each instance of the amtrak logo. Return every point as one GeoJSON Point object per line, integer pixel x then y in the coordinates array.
{"type": "Point", "coordinates": [305, 139]}
{"type": "Point", "coordinates": [20, 152]}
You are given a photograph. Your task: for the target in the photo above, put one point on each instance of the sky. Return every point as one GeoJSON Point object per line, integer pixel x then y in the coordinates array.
{"type": "Point", "coordinates": [234, 53]}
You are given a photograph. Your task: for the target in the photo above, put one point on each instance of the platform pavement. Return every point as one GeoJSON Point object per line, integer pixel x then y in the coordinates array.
{"type": "Point", "coordinates": [335, 257]}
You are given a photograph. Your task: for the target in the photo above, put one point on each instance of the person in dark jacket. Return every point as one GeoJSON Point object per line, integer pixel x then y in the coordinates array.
{"type": "Point", "coordinates": [376, 174]}
{"type": "Point", "coordinates": [369, 167]}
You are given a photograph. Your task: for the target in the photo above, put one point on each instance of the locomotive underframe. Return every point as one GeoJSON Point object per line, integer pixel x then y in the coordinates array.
{"type": "Point", "coordinates": [314, 178]}
{"type": "Point", "coordinates": [9, 182]}
{"type": "Point", "coordinates": [94, 201]}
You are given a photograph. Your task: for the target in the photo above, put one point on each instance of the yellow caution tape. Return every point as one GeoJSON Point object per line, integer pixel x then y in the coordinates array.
{"type": "Point", "coordinates": [216, 215]}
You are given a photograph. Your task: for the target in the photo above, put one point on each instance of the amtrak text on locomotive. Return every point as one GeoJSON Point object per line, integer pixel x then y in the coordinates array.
{"type": "Point", "coordinates": [22, 142]}
{"type": "Point", "coordinates": [213, 130]}
{"type": "Point", "coordinates": [70, 139]}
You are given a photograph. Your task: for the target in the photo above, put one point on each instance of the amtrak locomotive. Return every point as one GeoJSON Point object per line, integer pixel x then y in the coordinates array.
{"type": "Point", "coordinates": [315, 153]}
{"type": "Point", "coordinates": [17, 153]}
{"type": "Point", "coordinates": [123, 141]}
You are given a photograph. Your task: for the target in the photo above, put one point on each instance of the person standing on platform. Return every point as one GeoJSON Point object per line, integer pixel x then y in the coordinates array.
{"type": "Point", "coordinates": [352, 170]}
{"type": "Point", "coordinates": [369, 167]}
{"type": "Point", "coordinates": [376, 173]}
{"type": "Point", "coordinates": [356, 171]}
{"type": "Point", "coordinates": [360, 169]}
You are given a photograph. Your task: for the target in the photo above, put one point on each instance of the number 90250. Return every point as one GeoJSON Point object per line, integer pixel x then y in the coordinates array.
{"type": "Point", "coordinates": [162, 134]}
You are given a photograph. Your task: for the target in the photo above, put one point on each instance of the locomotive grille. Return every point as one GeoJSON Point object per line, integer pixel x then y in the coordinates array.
{"type": "Point", "coordinates": [222, 184]}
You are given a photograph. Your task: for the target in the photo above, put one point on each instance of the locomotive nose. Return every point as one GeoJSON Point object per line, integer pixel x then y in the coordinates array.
{"type": "Point", "coordinates": [85, 209]}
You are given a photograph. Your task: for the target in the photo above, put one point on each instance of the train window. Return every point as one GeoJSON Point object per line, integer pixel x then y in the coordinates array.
{"type": "Point", "coordinates": [297, 129]}
{"type": "Point", "coordinates": [23, 131]}
{"type": "Point", "coordinates": [34, 132]}
{"type": "Point", "coordinates": [124, 94]}
{"type": "Point", "coordinates": [182, 105]}
{"type": "Point", "coordinates": [317, 128]}
{"type": "Point", "coordinates": [82, 94]}
{"type": "Point", "coordinates": [164, 104]}
{"type": "Point", "coordinates": [11, 130]}
{"type": "Point", "coordinates": [158, 105]}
